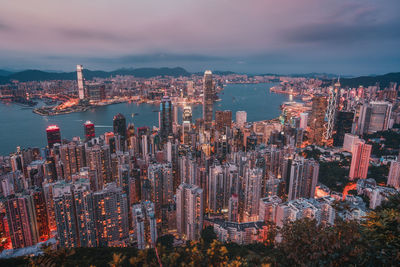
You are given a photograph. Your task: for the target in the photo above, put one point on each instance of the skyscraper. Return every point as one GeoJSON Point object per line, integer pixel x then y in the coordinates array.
{"type": "Point", "coordinates": [186, 125]}
{"type": "Point", "coordinates": [111, 215]}
{"type": "Point", "coordinates": [119, 124]}
{"type": "Point", "coordinates": [317, 121]}
{"type": "Point", "coordinates": [223, 119]}
{"type": "Point", "coordinates": [252, 193]}
{"type": "Point", "coordinates": [160, 177]}
{"type": "Point", "coordinates": [22, 222]}
{"type": "Point", "coordinates": [303, 178]}
{"type": "Point", "coordinates": [53, 135]}
{"type": "Point", "coordinates": [189, 211]}
{"type": "Point", "coordinates": [241, 118]}
{"type": "Point", "coordinates": [144, 224]}
{"type": "Point", "coordinates": [165, 118]}
{"type": "Point", "coordinates": [208, 99]}
{"type": "Point", "coordinates": [81, 82]}
{"type": "Point", "coordinates": [343, 125]}
{"type": "Point", "coordinates": [360, 160]}
{"type": "Point", "coordinates": [374, 117]}
{"type": "Point", "coordinates": [88, 128]}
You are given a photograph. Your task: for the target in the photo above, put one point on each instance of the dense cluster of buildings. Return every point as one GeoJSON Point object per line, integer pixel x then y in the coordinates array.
{"type": "Point", "coordinates": [129, 186]}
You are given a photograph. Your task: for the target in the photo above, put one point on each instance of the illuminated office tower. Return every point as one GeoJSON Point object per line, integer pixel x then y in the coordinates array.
{"type": "Point", "coordinates": [343, 125]}
{"type": "Point", "coordinates": [317, 120]}
{"type": "Point", "coordinates": [252, 193]}
{"type": "Point", "coordinates": [81, 82]}
{"type": "Point", "coordinates": [374, 117]}
{"type": "Point", "coordinates": [88, 128]}
{"type": "Point", "coordinates": [394, 174]}
{"type": "Point", "coordinates": [53, 135]}
{"type": "Point", "coordinates": [160, 177]}
{"type": "Point", "coordinates": [64, 211]}
{"type": "Point", "coordinates": [187, 125]}
{"type": "Point", "coordinates": [360, 160]}
{"type": "Point", "coordinates": [241, 118]}
{"type": "Point", "coordinates": [208, 99]}
{"type": "Point", "coordinates": [144, 224]}
{"type": "Point", "coordinates": [330, 114]}
{"type": "Point", "coordinates": [189, 211]}
{"type": "Point", "coordinates": [303, 178]}
{"type": "Point", "coordinates": [165, 119]}
{"type": "Point", "coordinates": [22, 222]}
{"type": "Point", "coordinates": [223, 119]}
{"type": "Point", "coordinates": [119, 124]}
{"type": "Point", "coordinates": [96, 92]}
{"type": "Point", "coordinates": [111, 215]}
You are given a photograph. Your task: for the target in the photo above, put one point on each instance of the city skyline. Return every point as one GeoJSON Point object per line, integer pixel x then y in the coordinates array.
{"type": "Point", "coordinates": [341, 37]}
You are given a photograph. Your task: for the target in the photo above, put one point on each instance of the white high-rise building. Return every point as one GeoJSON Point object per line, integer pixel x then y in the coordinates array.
{"type": "Point", "coordinates": [241, 118]}
{"type": "Point", "coordinates": [81, 86]}
{"type": "Point", "coordinates": [349, 141]}
{"type": "Point", "coordinates": [144, 224]}
{"type": "Point", "coordinates": [189, 211]}
{"type": "Point", "coordinates": [252, 193]}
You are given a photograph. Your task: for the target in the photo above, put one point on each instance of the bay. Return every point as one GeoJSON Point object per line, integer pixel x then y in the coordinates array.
{"type": "Point", "coordinates": [19, 126]}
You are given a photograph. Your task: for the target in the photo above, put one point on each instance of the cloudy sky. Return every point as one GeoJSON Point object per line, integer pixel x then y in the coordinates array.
{"type": "Point", "coordinates": [254, 36]}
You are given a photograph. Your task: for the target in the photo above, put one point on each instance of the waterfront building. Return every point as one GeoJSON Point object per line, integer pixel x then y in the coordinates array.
{"type": "Point", "coordinates": [88, 128]}
{"type": "Point", "coordinates": [208, 99]}
{"type": "Point", "coordinates": [241, 118]}
{"type": "Point", "coordinates": [165, 118]}
{"type": "Point", "coordinates": [119, 125]}
{"type": "Point", "coordinates": [53, 135]}
{"type": "Point", "coordinates": [96, 92]}
{"type": "Point", "coordinates": [81, 82]}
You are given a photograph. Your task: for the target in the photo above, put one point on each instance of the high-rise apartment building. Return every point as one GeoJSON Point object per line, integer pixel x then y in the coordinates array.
{"type": "Point", "coordinates": [361, 153]}
{"type": "Point", "coordinates": [22, 221]}
{"type": "Point", "coordinates": [303, 178]}
{"type": "Point", "coordinates": [144, 224]}
{"type": "Point", "coordinates": [111, 215]}
{"type": "Point", "coordinates": [252, 192]}
{"type": "Point", "coordinates": [374, 117]}
{"type": "Point", "coordinates": [189, 211]}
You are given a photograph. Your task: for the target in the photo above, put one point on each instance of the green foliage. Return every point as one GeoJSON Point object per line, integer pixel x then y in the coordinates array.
{"type": "Point", "coordinates": [379, 173]}
{"type": "Point", "coordinates": [334, 175]}
{"type": "Point", "coordinates": [166, 241]}
{"type": "Point", "coordinates": [208, 235]}
{"type": "Point", "coordinates": [374, 242]}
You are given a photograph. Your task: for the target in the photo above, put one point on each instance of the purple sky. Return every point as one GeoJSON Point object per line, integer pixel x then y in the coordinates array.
{"type": "Point", "coordinates": [256, 36]}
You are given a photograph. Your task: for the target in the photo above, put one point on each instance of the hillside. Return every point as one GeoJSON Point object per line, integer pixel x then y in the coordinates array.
{"type": "Point", "coordinates": [383, 80]}
{"type": "Point", "coordinates": [37, 75]}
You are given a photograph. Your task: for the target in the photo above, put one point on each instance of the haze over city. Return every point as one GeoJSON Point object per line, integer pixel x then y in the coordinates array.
{"type": "Point", "coordinates": [348, 37]}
